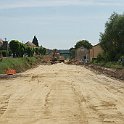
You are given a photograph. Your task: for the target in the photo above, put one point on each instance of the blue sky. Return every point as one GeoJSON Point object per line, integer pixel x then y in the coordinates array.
{"type": "Point", "coordinates": [56, 23]}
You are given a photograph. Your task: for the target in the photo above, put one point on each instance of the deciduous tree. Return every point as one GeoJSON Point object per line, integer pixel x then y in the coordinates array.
{"type": "Point", "coordinates": [14, 47]}
{"type": "Point", "coordinates": [83, 43]}
{"type": "Point", "coordinates": [112, 40]}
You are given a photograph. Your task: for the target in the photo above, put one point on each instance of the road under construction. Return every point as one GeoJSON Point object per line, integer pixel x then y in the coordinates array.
{"type": "Point", "coordinates": [61, 94]}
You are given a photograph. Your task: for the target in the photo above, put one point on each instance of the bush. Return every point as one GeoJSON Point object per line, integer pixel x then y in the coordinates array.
{"type": "Point", "coordinates": [100, 58]}
{"type": "Point", "coordinates": [29, 51]}
{"type": "Point", "coordinates": [121, 60]}
{"type": "Point", "coordinates": [115, 65]}
{"type": "Point", "coordinates": [4, 53]}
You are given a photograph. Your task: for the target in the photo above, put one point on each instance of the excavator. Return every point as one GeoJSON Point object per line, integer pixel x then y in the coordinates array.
{"type": "Point", "coordinates": [56, 57]}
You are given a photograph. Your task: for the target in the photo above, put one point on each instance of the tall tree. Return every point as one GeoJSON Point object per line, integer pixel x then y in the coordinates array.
{"type": "Point", "coordinates": [112, 40]}
{"type": "Point", "coordinates": [35, 41]}
{"type": "Point", "coordinates": [17, 48]}
{"type": "Point", "coordinates": [83, 43]}
{"type": "Point", "coordinates": [14, 46]}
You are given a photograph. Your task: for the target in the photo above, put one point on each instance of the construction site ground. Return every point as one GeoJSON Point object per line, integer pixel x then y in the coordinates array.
{"type": "Point", "coordinates": [61, 94]}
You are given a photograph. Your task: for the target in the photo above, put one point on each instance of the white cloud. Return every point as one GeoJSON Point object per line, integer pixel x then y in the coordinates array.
{"type": "Point", "coordinates": [53, 3]}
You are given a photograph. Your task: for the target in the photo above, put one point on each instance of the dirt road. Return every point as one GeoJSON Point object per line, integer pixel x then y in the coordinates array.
{"type": "Point", "coordinates": [61, 94]}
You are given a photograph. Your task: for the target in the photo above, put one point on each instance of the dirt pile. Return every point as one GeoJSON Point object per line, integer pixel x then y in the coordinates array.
{"type": "Point", "coordinates": [116, 73]}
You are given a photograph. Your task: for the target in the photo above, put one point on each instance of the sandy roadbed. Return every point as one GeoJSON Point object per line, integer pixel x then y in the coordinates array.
{"type": "Point", "coordinates": [61, 94]}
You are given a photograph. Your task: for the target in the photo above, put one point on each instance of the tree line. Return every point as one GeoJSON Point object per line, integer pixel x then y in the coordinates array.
{"type": "Point", "coordinates": [18, 49]}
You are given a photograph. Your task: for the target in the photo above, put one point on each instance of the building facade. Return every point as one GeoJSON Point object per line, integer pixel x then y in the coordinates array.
{"type": "Point", "coordinates": [82, 55]}
{"type": "Point", "coordinates": [95, 51]}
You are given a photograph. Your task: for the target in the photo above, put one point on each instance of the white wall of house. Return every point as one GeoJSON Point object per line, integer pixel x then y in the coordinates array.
{"type": "Point", "coordinates": [82, 54]}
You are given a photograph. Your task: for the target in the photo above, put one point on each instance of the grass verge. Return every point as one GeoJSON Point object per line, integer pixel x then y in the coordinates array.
{"type": "Point", "coordinates": [19, 64]}
{"type": "Point", "coordinates": [113, 65]}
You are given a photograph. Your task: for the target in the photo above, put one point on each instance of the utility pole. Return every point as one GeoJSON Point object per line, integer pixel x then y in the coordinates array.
{"type": "Point", "coordinates": [6, 42]}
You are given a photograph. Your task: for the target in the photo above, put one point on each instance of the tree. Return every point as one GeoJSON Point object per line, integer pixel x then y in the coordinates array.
{"type": "Point", "coordinates": [40, 50]}
{"type": "Point", "coordinates": [37, 50]}
{"type": "Point", "coordinates": [112, 40]}
{"type": "Point", "coordinates": [21, 50]}
{"type": "Point", "coordinates": [35, 41]}
{"type": "Point", "coordinates": [83, 43]}
{"type": "Point", "coordinates": [17, 48]}
{"type": "Point", "coordinates": [14, 47]}
{"type": "Point", "coordinates": [29, 51]}
{"type": "Point", "coordinates": [72, 53]}
{"type": "Point", "coordinates": [43, 51]}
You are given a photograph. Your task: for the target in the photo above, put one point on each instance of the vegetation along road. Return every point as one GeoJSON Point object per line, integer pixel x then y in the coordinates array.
{"type": "Point", "coordinates": [61, 94]}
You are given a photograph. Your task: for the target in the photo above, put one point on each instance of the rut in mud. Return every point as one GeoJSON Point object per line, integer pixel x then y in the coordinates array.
{"type": "Point", "coordinates": [61, 94]}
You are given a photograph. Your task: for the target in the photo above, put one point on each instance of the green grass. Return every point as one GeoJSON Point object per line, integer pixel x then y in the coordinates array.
{"type": "Point", "coordinates": [19, 64]}
{"type": "Point", "coordinates": [114, 65]}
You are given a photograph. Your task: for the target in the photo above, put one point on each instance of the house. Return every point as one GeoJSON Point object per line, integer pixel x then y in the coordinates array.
{"type": "Point", "coordinates": [30, 44]}
{"type": "Point", "coordinates": [3, 45]}
{"type": "Point", "coordinates": [82, 54]}
{"type": "Point", "coordinates": [95, 51]}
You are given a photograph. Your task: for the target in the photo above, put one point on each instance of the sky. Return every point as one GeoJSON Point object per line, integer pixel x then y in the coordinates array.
{"type": "Point", "coordinates": [56, 23]}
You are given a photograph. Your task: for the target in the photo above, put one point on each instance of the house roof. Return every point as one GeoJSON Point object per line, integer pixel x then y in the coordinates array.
{"type": "Point", "coordinates": [96, 45]}
{"type": "Point", "coordinates": [1, 42]}
{"type": "Point", "coordinates": [30, 44]}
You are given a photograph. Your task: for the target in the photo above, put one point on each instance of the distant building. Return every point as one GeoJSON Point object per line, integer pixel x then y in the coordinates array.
{"type": "Point", "coordinates": [1, 42]}
{"type": "Point", "coordinates": [95, 51]}
{"type": "Point", "coordinates": [82, 54]}
{"type": "Point", "coordinates": [30, 44]}
{"type": "Point", "coordinates": [3, 45]}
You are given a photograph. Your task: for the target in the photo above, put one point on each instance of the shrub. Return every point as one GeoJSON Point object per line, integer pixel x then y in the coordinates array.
{"type": "Point", "coordinates": [4, 53]}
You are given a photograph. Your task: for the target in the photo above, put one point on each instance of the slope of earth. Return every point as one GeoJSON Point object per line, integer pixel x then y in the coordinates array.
{"type": "Point", "coordinates": [61, 94]}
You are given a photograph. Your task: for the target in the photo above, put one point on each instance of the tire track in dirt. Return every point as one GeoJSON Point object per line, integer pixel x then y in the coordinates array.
{"type": "Point", "coordinates": [63, 105]}
{"type": "Point", "coordinates": [4, 100]}
{"type": "Point", "coordinates": [103, 104]}
{"type": "Point", "coordinates": [61, 94]}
